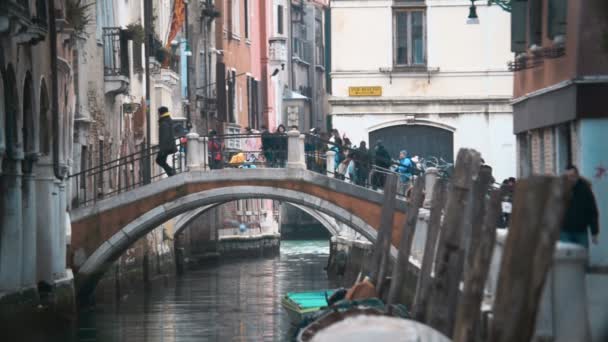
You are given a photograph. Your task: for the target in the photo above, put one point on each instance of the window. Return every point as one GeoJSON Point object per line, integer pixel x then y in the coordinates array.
{"type": "Point", "coordinates": [409, 36]}
{"type": "Point", "coordinates": [236, 19]}
{"type": "Point", "coordinates": [535, 13]}
{"type": "Point", "coordinates": [558, 12]}
{"type": "Point", "coordinates": [231, 96]}
{"type": "Point", "coordinates": [280, 19]}
{"type": "Point", "coordinates": [246, 5]}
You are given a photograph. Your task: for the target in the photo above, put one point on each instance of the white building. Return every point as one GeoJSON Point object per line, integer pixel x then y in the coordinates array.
{"type": "Point", "coordinates": [439, 83]}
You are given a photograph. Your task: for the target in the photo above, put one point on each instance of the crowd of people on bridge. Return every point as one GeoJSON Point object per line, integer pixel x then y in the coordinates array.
{"type": "Point", "coordinates": [361, 166]}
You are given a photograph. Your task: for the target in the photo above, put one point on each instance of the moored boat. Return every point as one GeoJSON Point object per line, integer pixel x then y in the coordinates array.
{"type": "Point", "coordinates": [303, 305]}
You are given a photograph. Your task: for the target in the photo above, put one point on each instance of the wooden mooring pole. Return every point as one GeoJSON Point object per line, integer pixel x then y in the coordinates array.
{"type": "Point", "coordinates": [405, 245]}
{"type": "Point", "coordinates": [469, 307]}
{"type": "Point", "coordinates": [450, 253]}
{"type": "Point", "coordinates": [538, 210]}
{"type": "Point", "coordinates": [381, 254]}
{"type": "Point", "coordinates": [423, 284]}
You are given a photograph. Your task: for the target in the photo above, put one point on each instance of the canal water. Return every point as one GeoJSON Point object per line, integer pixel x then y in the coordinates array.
{"type": "Point", "coordinates": [233, 300]}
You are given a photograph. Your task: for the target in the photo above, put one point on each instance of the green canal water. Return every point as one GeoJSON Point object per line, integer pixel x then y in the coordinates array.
{"type": "Point", "coordinates": [233, 300]}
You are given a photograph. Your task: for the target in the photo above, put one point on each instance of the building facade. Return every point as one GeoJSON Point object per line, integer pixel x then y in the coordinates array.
{"type": "Point", "coordinates": [36, 119]}
{"type": "Point", "coordinates": [415, 75]}
{"type": "Point", "coordinates": [560, 87]}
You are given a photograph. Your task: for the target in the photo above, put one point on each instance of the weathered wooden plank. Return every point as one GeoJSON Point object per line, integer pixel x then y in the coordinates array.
{"type": "Point", "coordinates": [478, 211]}
{"type": "Point", "coordinates": [469, 307]}
{"type": "Point", "coordinates": [423, 284]}
{"type": "Point", "coordinates": [382, 247]}
{"type": "Point", "coordinates": [539, 206]}
{"type": "Point", "coordinates": [450, 253]}
{"type": "Point", "coordinates": [405, 245]}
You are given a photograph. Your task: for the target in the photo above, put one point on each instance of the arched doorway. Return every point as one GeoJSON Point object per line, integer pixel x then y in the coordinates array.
{"type": "Point", "coordinates": [421, 140]}
{"type": "Point", "coordinates": [43, 121]}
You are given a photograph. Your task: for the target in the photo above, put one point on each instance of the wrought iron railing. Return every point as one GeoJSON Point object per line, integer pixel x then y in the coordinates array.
{"type": "Point", "coordinates": [122, 174]}
{"type": "Point", "coordinates": [115, 52]}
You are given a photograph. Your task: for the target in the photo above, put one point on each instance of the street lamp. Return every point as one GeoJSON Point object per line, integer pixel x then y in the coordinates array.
{"type": "Point", "coordinates": [473, 19]}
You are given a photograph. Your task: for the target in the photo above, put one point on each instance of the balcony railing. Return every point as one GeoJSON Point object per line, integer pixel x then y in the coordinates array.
{"type": "Point", "coordinates": [115, 52]}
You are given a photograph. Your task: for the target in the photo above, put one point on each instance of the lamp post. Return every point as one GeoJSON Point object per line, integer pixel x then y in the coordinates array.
{"type": "Point", "coordinates": [472, 19]}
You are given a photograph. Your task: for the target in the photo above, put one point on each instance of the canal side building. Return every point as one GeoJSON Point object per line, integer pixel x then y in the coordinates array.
{"type": "Point", "coordinates": [560, 87]}
{"type": "Point", "coordinates": [36, 118]}
{"type": "Point", "coordinates": [417, 76]}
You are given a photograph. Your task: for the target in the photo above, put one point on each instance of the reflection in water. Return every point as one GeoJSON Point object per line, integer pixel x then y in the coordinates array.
{"type": "Point", "coordinates": [234, 300]}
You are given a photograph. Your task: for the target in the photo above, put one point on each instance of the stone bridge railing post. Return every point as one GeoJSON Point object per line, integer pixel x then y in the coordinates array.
{"type": "Point", "coordinates": [330, 160]}
{"type": "Point", "coordinates": [295, 150]}
{"type": "Point", "coordinates": [203, 143]}
{"type": "Point", "coordinates": [193, 161]}
{"type": "Point", "coordinates": [430, 177]}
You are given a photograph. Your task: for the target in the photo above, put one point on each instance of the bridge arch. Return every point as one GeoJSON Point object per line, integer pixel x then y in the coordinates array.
{"type": "Point", "coordinates": [102, 232]}
{"type": "Point", "coordinates": [187, 218]}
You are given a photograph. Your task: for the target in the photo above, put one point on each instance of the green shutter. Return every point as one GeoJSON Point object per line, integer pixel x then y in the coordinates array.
{"type": "Point", "coordinates": [518, 26]}
{"type": "Point", "coordinates": [558, 12]}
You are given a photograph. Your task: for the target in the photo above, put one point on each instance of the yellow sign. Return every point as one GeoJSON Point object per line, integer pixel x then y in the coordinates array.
{"type": "Point", "coordinates": [364, 91]}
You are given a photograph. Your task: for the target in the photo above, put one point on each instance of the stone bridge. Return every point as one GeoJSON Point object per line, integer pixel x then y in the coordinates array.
{"type": "Point", "coordinates": [103, 231]}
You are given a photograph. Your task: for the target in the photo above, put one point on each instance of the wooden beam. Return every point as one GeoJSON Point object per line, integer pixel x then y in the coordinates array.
{"type": "Point", "coordinates": [380, 256]}
{"type": "Point", "coordinates": [469, 308]}
{"type": "Point", "coordinates": [405, 245]}
{"type": "Point", "coordinates": [539, 206]}
{"type": "Point", "coordinates": [450, 253]}
{"type": "Point", "coordinates": [423, 284]}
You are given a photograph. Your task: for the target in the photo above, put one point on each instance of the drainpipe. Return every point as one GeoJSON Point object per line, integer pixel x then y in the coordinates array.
{"type": "Point", "coordinates": [59, 174]}
{"type": "Point", "coordinates": [188, 58]}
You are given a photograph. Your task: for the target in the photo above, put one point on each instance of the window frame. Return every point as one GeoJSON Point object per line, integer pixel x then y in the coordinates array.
{"type": "Point", "coordinates": [409, 56]}
{"type": "Point", "coordinates": [247, 21]}
{"type": "Point", "coordinates": [280, 19]}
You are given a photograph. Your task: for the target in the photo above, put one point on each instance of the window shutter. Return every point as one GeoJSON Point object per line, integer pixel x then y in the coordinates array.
{"type": "Point", "coordinates": [518, 26]}
{"type": "Point", "coordinates": [558, 12]}
{"type": "Point", "coordinates": [535, 24]}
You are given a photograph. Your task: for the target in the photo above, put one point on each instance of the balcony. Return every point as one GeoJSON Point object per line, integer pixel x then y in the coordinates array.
{"type": "Point", "coordinates": [115, 61]}
{"type": "Point", "coordinates": [15, 16]}
{"type": "Point", "coordinates": [278, 50]}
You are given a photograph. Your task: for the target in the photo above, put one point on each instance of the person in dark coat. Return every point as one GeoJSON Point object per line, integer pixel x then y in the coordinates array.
{"type": "Point", "coordinates": [382, 159]}
{"type": "Point", "coordinates": [362, 164]}
{"type": "Point", "coordinates": [267, 146]}
{"type": "Point", "coordinates": [280, 145]}
{"type": "Point", "coordinates": [581, 215]}
{"type": "Point", "coordinates": [166, 140]}
{"type": "Point", "coordinates": [216, 149]}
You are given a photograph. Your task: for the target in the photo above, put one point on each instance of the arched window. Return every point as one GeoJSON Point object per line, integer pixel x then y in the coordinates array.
{"type": "Point", "coordinates": [28, 128]}
{"type": "Point", "coordinates": [11, 105]}
{"type": "Point", "coordinates": [43, 121]}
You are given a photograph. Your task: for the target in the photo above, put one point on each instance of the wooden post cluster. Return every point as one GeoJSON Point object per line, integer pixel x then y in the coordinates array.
{"type": "Point", "coordinates": [460, 241]}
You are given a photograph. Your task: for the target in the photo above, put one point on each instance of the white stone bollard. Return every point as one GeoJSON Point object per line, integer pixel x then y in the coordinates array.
{"type": "Point", "coordinates": [330, 162]}
{"type": "Point", "coordinates": [562, 314]}
{"type": "Point", "coordinates": [193, 161]}
{"type": "Point", "coordinates": [430, 178]}
{"type": "Point", "coordinates": [295, 150]}
{"type": "Point", "coordinates": [203, 143]}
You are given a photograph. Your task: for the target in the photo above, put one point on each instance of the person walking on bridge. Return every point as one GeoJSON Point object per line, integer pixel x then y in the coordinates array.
{"type": "Point", "coordinates": [582, 213]}
{"type": "Point", "coordinates": [166, 140]}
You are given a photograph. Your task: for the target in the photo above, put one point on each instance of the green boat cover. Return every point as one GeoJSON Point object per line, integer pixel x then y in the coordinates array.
{"type": "Point", "coordinates": [310, 300]}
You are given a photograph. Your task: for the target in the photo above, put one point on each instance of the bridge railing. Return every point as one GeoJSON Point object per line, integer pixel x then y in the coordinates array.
{"type": "Point", "coordinates": [334, 160]}
{"type": "Point", "coordinates": [194, 152]}
{"type": "Point", "coordinates": [109, 178]}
